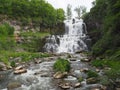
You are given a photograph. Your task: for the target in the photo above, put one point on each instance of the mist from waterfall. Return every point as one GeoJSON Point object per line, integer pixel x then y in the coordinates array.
{"type": "Point", "coordinates": [74, 39]}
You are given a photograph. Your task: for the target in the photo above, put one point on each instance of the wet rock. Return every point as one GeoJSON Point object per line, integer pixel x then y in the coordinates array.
{"type": "Point", "coordinates": [107, 68]}
{"type": "Point", "coordinates": [117, 88]}
{"type": "Point", "coordinates": [95, 89]}
{"type": "Point", "coordinates": [117, 82]}
{"type": "Point", "coordinates": [84, 69]}
{"type": "Point", "coordinates": [19, 67]}
{"type": "Point", "coordinates": [59, 75]}
{"type": "Point", "coordinates": [85, 60]}
{"type": "Point", "coordinates": [103, 88]}
{"type": "Point", "coordinates": [70, 79]}
{"type": "Point", "coordinates": [20, 71]}
{"type": "Point", "coordinates": [38, 61]}
{"type": "Point", "coordinates": [3, 66]}
{"type": "Point", "coordinates": [65, 86]}
{"type": "Point", "coordinates": [78, 52]}
{"type": "Point", "coordinates": [45, 75]}
{"type": "Point", "coordinates": [97, 70]}
{"type": "Point", "coordinates": [92, 80]}
{"type": "Point", "coordinates": [77, 73]}
{"type": "Point", "coordinates": [77, 85]}
{"type": "Point", "coordinates": [13, 85]}
{"type": "Point", "coordinates": [72, 59]}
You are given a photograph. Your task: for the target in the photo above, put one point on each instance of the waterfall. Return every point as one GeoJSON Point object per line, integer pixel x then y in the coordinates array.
{"type": "Point", "coordinates": [74, 39]}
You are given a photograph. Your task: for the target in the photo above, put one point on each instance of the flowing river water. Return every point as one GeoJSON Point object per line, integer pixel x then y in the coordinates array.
{"type": "Point", "coordinates": [40, 76]}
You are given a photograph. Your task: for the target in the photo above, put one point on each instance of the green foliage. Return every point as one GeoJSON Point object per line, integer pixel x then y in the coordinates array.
{"type": "Point", "coordinates": [25, 56]}
{"type": "Point", "coordinates": [69, 11]}
{"type": "Point", "coordinates": [103, 26]}
{"type": "Point", "coordinates": [99, 63]}
{"type": "Point", "coordinates": [104, 80]}
{"type": "Point", "coordinates": [6, 30]}
{"type": "Point", "coordinates": [36, 12]}
{"type": "Point", "coordinates": [92, 74]}
{"type": "Point", "coordinates": [80, 79]}
{"type": "Point", "coordinates": [33, 41]}
{"type": "Point", "coordinates": [62, 65]}
{"type": "Point", "coordinates": [13, 64]}
{"type": "Point", "coordinates": [6, 37]}
{"type": "Point", "coordinates": [113, 73]}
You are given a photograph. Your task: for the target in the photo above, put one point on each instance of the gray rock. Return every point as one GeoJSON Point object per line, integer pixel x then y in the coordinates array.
{"type": "Point", "coordinates": [13, 85]}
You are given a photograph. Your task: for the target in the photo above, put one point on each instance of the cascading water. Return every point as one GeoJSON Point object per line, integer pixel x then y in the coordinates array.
{"type": "Point", "coordinates": [74, 39]}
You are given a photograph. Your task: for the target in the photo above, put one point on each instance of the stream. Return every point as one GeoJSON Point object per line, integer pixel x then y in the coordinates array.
{"type": "Point", "coordinates": [40, 76]}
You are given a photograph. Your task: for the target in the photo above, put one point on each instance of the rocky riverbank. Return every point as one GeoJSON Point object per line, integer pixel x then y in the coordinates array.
{"type": "Point", "coordinates": [39, 75]}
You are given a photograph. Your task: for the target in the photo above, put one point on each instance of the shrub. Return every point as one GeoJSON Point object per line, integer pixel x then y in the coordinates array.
{"type": "Point", "coordinates": [12, 64]}
{"type": "Point", "coordinates": [80, 79]}
{"type": "Point", "coordinates": [62, 65]}
{"type": "Point", "coordinates": [91, 74]}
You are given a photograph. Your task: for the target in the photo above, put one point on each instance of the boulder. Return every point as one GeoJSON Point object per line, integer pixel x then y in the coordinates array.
{"type": "Point", "coordinates": [37, 61]}
{"type": "Point", "coordinates": [3, 66]}
{"type": "Point", "coordinates": [85, 60]}
{"type": "Point", "coordinates": [84, 69]}
{"type": "Point", "coordinates": [59, 75]}
{"type": "Point", "coordinates": [92, 80]}
{"type": "Point", "coordinates": [19, 67]}
{"type": "Point", "coordinates": [77, 85]}
{"type": "Point", "coordinates": [13, 85]}
{"type": "Point", "coordinates": [65, 86]}
{"type": "Point", "coordinates": [72, 59]}
{"type": "Point", "coordinates": [20, 71]}
{"type": "Point", "coordinates": [97, 70]}
{"type": "Point", "coordinates": [95, 89]}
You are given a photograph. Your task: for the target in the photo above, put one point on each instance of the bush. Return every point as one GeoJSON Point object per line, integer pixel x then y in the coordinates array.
{"type": "Point", "coordinates": [99, 63]}
{"type": "Point", "coordinates": [80, 79]}
{"type": "Point", "coordinates": [12, 64]}
{"type": "Point", "coordinates": [92, 74]}
{"type": "Point", "coordinates": [62, 65]}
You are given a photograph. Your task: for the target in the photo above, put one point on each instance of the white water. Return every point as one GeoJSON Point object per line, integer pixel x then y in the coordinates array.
{"type": "Point", "coordinates": [72, 41]}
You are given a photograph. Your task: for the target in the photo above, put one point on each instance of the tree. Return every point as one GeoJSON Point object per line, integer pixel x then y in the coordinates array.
{"type": "Point", "coordinates": [60, 15]}
{"type": "Point", "coordinates": [69, 11]}
{"type": "Point", "coordinates": [80, 10]}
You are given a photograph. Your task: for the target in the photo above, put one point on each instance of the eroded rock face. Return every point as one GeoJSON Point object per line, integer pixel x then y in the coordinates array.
{"type": "Point", "coordinates": [59, 75]}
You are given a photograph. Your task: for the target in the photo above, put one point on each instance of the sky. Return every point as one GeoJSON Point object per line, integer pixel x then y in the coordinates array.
{"type": "Point", "coordinates": [63, 3]}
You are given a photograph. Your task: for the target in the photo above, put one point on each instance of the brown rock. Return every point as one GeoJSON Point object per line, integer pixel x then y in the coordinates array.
{"type": "Point", "coordinates": [19, 67]}
{"type": "Point", "coordinates": [84, 70]}
{"type": "Point", "coordinates": [3, 66]}
{"type": "Point", "coordinates": [97, 70]}
{"type": "Point", "coordinates": [20, 71]}
{"type": "Point", "coordinates": [65, 86]}
{"type": "Point", "coordinates": [85, 60]}
{"type": "Point", "coordinates": [77, 85]}
{"type": "Point", "coordinates": [38, 61]}
{"type": "Point", "coordinates": [92, 80]}
{"type": "Point", "coordinates": [117, 88]}
{"type": "Point", "coordinates": [59, 75]}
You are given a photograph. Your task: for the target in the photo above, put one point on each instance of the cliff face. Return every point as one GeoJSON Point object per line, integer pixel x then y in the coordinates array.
{"type": "Point", "coordinates": [103, 27]}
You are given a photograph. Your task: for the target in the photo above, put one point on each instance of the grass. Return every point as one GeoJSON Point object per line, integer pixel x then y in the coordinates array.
{"type": "Point", "coordinates": [111, 74]}
{"type": "Point", "coordinates": [5, 56]}
{"type": "Point", "coordinates": [62, 65]}
{"type": "Point", "coordinates": [91, 73]}
{"type": "Point", "coordinates": [34, 34]}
